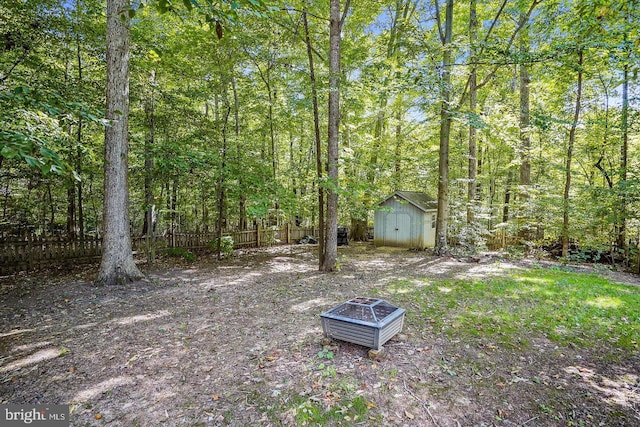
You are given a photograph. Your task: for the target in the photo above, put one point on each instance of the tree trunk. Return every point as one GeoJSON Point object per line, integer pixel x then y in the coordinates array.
{"type": "Point", "coordinates": [525, 140]}
{"type": "Point", "coordinates": [117, 264]}
{"type": "Point", "coordinates": [397, 161]}
{"type": "Point", "coordinates": [148, 227]}
{"type": "Point", "coordinates": [507, 197]}
{"type": "Point", "coordinates": [473, 101]}
{"type": "Point", "coordinates": [445, 130]}
{"type": "Point", "coordinates": [79, 155]}
{"type": "Point", "coordinates": [221, 184]}
{"type": "Point", "coordinates": [71, 183]}
{"type": "Point", "coordinates": [80, 215]}
{"type": "Point", "coordinates": [331, 229]}
{"type": "Point", "coordinates": [567, 182]}
{"type": "Point", "coordinates": [173, 208]}
{"type": "Point", "coordinates": [624, 124]}
{"type": "Point", "coordinates": [316, 127]}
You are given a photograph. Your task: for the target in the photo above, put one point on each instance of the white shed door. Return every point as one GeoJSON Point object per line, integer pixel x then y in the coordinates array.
{"type": "Point", "coordinates": [398, 229]}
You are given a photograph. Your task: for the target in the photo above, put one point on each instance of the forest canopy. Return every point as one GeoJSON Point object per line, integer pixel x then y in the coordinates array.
{"type": "Point", "coordinates": [540, 98]}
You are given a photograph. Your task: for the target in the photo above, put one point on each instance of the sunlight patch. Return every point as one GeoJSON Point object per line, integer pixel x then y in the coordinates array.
{"type": "Point", "coordinates": [32, 346]}
{"type": "Point", "coordinates": [313, 303]}
{"type": "Point", "coordinates": [86, 325]}
{"type": "Point", "coordinates": [100, 388]}
{"type": "Point", "coordinates": [561, 330]}
{"type": "Point", "coordinates": [141, 317]}
{"type": "Point", "coordinates": [40, 356]}
{"type": "Point", "coordinates": [605, 302]}
{"type": "Point", "coordinates": [245, 278]}
{"type": "Point", "coordinates": [444, 290]}
{"type": "Point", "coordinates": [442, 268]}
{"type": "Point", "coordinates": [284, 264]}
{"type": "Point", "coordinates": [539, 280]}
{"type": "Point", "coordinates": [620, 390]}
{"type": "Point", "coordinates": [15, 332]}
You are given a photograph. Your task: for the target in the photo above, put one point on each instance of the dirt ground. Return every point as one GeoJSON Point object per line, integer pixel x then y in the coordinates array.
{"type": "Point", "coordinates": [236, 343]}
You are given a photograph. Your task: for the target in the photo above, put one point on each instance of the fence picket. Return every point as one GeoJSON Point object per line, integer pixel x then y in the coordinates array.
{"type": "Point", "coordinates": [35, 252]}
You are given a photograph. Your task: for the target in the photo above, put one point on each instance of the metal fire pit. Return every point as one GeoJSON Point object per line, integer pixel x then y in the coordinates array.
{"type": "Point", "coordinates": [365, 321]}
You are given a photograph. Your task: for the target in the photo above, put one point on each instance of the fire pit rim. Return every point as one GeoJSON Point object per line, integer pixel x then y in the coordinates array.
{"type": "Point", "coordinates": [397, 312]}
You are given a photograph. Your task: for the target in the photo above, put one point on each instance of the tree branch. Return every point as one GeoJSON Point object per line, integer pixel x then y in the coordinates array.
{"type": "Point", "coordinates": [344, 13]}
{"type": "Point", "coordinates": [598, 166]}
{"type": "Point", "coordinates": [489, 76]}
{"type": "Point", "coordinates": [438, 21]}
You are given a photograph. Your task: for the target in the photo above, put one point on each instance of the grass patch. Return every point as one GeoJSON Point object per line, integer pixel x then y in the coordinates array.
{"type": "Point", "coordinates": [336, 403]}
{"type": "Point", "coordinates": [343, 411]}
{"type": "Point", "coordinates": [568, 308]}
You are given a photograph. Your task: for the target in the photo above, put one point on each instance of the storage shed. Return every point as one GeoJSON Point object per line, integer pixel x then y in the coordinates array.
{"type": "Point", "coordinates": [406, 219]}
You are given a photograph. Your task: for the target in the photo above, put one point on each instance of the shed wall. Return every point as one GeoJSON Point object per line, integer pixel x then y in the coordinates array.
{"type": "Point", "coordinates": [399, 223]}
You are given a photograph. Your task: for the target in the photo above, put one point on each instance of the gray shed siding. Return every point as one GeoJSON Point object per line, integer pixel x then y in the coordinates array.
{"type": "Point", "coordinates": [400, 223]}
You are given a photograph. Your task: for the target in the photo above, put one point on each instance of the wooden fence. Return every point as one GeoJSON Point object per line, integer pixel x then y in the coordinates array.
{"type": "Point", "coordinates": [500, 239]}
{"type": "Point", "coordinates": [36, 252]}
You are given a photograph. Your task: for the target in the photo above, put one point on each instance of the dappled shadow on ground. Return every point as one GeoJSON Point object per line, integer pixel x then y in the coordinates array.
{"type": "Point", "coordinates": [236, 343]}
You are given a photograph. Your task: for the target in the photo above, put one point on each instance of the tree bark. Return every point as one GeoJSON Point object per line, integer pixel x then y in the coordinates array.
{"type": "Point", "coordinates": [80, 215]}
{"type": "Point", "coordinates": [316, 128]}
{"type": "Point", "coordinates": [331, 229]}
{"type": "Point", "coordinates": [525, 139]}
{"type": "Point", "coordinates": [445, 131]}
{"type": "Point", "coordinates": [473, 101]}
{"type": "Point", "coordinates": [507, 197]}
{"type": "Point", "coordinates": [567, 182]}
{"type": "Point", "coordinates": [148, 228]}
{"type": "Point", "coordinates": [222, 183]}
{"type": "Point", "coordinates": [624, 150]}
{"type": "Point", "coordinates": [117, 266]}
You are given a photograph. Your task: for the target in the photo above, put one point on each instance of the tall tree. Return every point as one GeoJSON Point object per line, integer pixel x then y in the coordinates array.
{"type": "Point", "coordinates": [445, 128]}
{"type": "Point", "coordinates": [473, 103]}
{"type": "Point", "coordinates": [572, 138]}
{"type": "Point", "coordinates": [336, 21]}
{"type": "Point", "coordinates": [318, 146]}
{"type": "Point", "coordinates": [524, 149]}
{"type": "Point", "coordinates": [624, 125]}
{"type": "Point", "coordinates": [148, 228]}
{"type": "Point", "coordinates": [117, 265]}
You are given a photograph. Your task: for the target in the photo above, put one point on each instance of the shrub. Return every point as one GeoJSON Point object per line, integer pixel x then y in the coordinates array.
{"type": "Point", "coordinates": [181, 253]}
{"type": "Point", "coordinates": [226, 246]}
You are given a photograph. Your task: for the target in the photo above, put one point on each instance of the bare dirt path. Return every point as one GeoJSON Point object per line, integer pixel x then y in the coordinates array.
{"type": "Point", "coordinates": [236, 343]}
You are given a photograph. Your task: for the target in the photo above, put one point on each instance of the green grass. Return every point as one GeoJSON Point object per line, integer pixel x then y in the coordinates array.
{"type": "Point", "coordinates": [584, 310]}
{"type": "Point", "coordinates": [344, 411]}
{"type": "Point", "coordinates": [335, 403]}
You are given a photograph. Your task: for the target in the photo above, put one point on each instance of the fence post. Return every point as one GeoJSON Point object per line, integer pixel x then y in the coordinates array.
{"type": "Point", "coordinates": [30, 249]}
{"type": "Point", "coordinates": [288, 231]}
{"type": "Point", "coordinates": [258, 234]}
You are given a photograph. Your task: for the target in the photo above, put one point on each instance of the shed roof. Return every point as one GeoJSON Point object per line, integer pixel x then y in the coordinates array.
{"type": "Point", "coordinates": [420, 200]}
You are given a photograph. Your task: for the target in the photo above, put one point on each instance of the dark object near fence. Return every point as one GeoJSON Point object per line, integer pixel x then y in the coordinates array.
{"type": "Point", "coordinates": [308, 240]}
{"type": "Point", "coordinates": [365, 321]}
{"type": "Point", "coordinates": [343, 236]}
{"type": "Point", "coordinates": [584, 254]}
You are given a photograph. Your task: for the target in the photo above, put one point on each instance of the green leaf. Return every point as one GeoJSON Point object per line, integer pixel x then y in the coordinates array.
{"type": "Point", "coordinates": [46, 168]}
{"type": "Point", "coordinates": [32, 161]}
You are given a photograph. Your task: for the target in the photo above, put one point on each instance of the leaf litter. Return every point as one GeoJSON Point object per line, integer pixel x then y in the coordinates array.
{"type": "Point", "coordinates": [239, 342]}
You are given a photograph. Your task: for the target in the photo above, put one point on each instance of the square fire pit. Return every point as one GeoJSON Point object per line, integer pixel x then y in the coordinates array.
{"type": "Point", "coordinates": [365, 321]}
